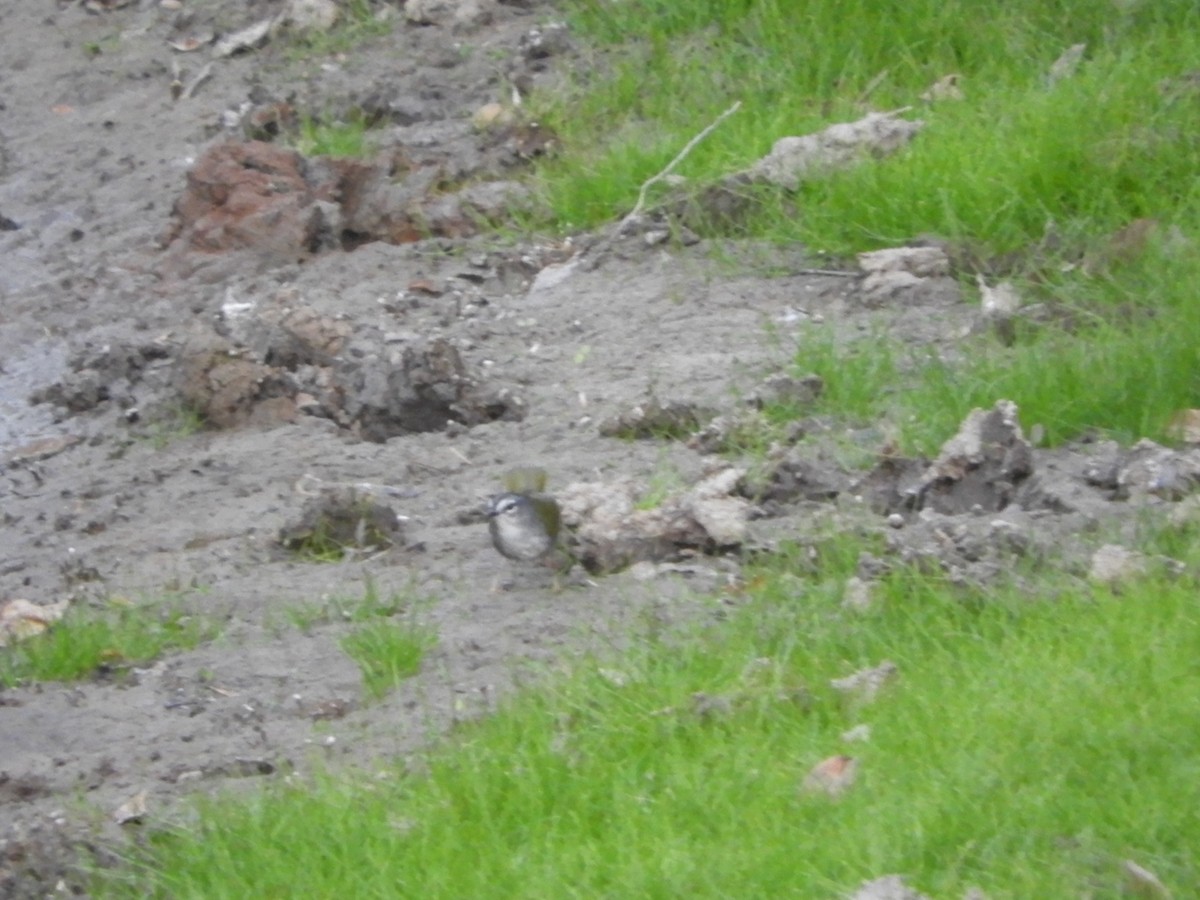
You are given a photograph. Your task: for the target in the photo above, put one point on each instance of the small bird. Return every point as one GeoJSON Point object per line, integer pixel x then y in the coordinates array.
{"type": "Point", "coordinates": [524, 521]}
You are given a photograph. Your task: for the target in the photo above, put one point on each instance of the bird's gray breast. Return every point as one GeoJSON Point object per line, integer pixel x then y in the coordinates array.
{"type": "Point", "coordinates": [517, 539]}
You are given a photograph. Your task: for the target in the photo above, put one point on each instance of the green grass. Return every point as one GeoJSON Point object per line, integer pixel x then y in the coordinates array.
{"type": "Point", "coordinates": [1125, 374]}
{"type": "Point", "coordinates": [1104, 146]}
{"type": "Point", "coordinates": [388, 653]}
{"type": "Point", "coordinates": [389, 643]}
{"type": "Point", "coordinates": [174, 423]}
{"type": "Point", "coordinates": [860, 377]}
{"type": "Point", "coordinates": [337, 139]}
{"type": "Point", "coordinates": [663, 482]}
{"type": "Point", "coordinates": [1124, 379]}
{"type": "Point", "coordinates": [1031, 743]}
{"type": "Point", "coordinates": [1088, 154]}
{"type": "Point", "coordinates": [89, 642]}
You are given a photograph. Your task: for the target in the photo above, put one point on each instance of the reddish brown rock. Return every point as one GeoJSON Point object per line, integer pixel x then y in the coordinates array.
{"type": "Point", "coordinates": [277, 203]}
{"type": "Point", "coordinates": [250, 195]}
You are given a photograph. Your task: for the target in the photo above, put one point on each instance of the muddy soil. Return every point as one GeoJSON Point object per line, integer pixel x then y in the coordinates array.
{"type": "Point", "coordinates": [104, 493]}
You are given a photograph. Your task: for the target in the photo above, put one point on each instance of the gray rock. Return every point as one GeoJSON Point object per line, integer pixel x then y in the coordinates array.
{"type": "Point", "coordinates": [793, 160]}
{"type": "Point", "coordinates": [922, 262]}
{"type": "Point", "coordinates": [793, 475]}
{"type": "Point", "coordinates": [1149, 469]}
{"type": "Point", "coordinates": [981, 466]}
{"type": "Point", "coordinates": [286, 336]}
{"type": "Point", "coordinates": [419, 388]}
{"type": "Point", "coordinates": [611, 533]}
{"type": "Point", "coordinates": [865, 684]}
{"type": "Point", "coordinates": [893, 486]}
{"type": "Point", "coordinates": [447, 12]}
{"type": "Point", "coordinates": [545, 41]}
{"type": "Point", "coordinates": [1113, 563]}
{"type": "Point", "coordinates": [857, 594]}
{"type": "Point", "coordinates": [310, 15]}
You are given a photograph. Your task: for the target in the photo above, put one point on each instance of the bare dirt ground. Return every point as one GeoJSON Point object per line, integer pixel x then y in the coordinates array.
{"type": "Point", "coordinates": [94, 153]}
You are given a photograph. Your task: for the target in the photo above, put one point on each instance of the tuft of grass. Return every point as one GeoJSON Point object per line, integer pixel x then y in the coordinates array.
{"type": "Point", "coordinates": [388, 644]}
{"type": "Point", "coordinates": [388, 653]}
{"type": "Point", "coordinates": [336, 139]}
{"type": "Point", "coordinates": [664, 481]}
{"type": "Point", "coordinates": [861, 377]}
{"type": "Point", "coordinates": [108, 641]}
{"type": "Point", "coordinates": [340, 609]}
{"type": "Point", "coordinates": [109, 44]}
{"type": "Point", "coordinates": [174, 424]}
{"type": "Point", "coordinates": [1030, 744]}
{"type": "Point", "coordinates": [320, 545]}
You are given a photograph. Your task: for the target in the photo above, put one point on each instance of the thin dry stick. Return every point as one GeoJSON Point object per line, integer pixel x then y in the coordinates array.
{"type": "Point", "coordinates": [595, 253]}
{"type": "Point", "coordinates": [832, 273]}
{"type": "Point", "coordinates": [641, 201]}
{"type": "Point", "coordinates": [195, 83]}
{"type": "Point", "coordinates": [872, 85]}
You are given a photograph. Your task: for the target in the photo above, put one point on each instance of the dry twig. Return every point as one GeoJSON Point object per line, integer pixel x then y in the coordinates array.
{"type": "Point", "coordinates": [596, 252]}
{"type": "Point", "coordinates": [202, 76]}
{"type": "Point", "coordinates": [679, 157]}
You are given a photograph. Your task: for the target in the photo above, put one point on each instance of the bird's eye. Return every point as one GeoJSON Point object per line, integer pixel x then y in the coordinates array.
{"type": "Point", "coordinates": [502, 505]}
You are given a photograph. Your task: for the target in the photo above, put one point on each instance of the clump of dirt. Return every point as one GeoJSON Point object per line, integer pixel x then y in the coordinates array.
{"type": "Point", "coordinates": [342, 518]}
